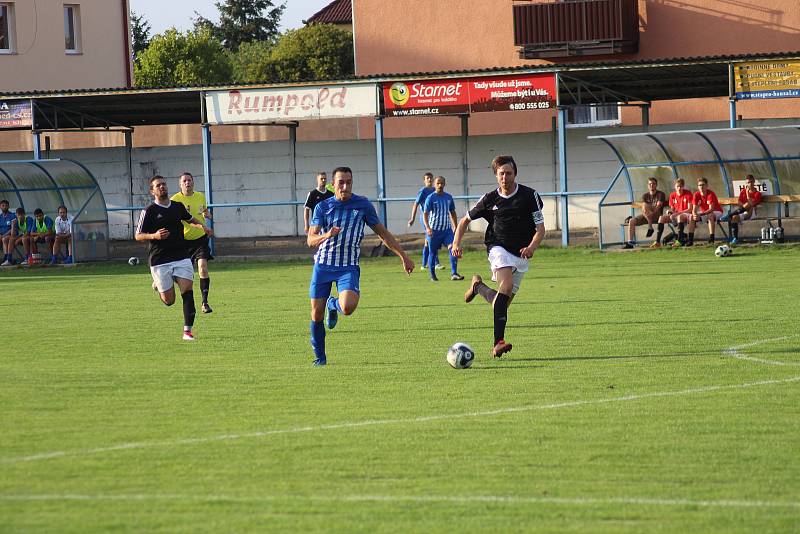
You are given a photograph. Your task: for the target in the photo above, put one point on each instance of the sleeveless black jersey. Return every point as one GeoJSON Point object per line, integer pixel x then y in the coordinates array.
{"type": "Point", "coordinates": [512, 220]}
{"type": "Point", "coordinates": [155, 217]}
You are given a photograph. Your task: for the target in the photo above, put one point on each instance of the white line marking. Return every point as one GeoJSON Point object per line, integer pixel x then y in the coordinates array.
{"type": "Point", "coordinates": [734, 351]}
{"type": "Point", "coordinates": [513, 499]}
{"type": "Point", "coordinates": [376, 422]}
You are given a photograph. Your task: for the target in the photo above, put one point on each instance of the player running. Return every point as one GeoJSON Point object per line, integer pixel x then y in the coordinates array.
{"type": "Point", "coordinates": [337, 227]}
{"type": "Point", "coordinates": [439, 216]}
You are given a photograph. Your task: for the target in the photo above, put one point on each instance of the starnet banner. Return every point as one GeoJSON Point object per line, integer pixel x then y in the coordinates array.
{"type": "Point", "coordinates": [469, 95]}
{"type": "Point", "coordinates": [291, 104]}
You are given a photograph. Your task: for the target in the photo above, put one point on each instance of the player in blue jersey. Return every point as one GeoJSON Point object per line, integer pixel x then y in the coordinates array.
{"type": "Point", "coordinates": [439, 216]}
{"type": "Point", "coordinates": [337, 227]}
{"type": "Point", "coordinates": [419, 202]}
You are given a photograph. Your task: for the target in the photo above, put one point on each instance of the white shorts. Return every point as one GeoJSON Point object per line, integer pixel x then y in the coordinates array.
{"type": "Point", "coordinates": [165, 274]}
{"type": "Point", "coordinates": [500, 258]}
{"type": "Point", "coordinates": [704, 218]}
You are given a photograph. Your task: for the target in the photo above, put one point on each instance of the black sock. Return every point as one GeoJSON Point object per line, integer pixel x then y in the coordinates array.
{"type": "Point", "coordinates": [691, 237]}
{"type": "Point", "coordinates": [486, 292]}
{"type": "Point", "coordinates": [737, 211]}
{"type": "Point", "coordinates": [681, 233]}
{"type": "Point", "coordinates": [500, 316]}
{"type": "Point", "coordinates": [710, 238]}
{"type": "Point", "coordinates": [660, 232]}
{"type": "Point", "coordinates": [204, 283]}
{"type": "Point", "coordinates": [735, 230]}
{"type": "Point", "coordinates": [189, 310]}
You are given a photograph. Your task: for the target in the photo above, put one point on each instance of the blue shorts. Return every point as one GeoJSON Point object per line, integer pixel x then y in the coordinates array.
{"type": "Point", "coordinates": [439, 238]}
{"type": "Point", "coordinates": [323, 277]}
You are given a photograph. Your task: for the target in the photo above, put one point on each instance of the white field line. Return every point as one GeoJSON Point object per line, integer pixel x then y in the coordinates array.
{"type": "Point", "coordinates": [467, 499]}
{"type": "Point", "coordinates": [377, 422]}
{"type": "Point", "coordinates": [734, 352]}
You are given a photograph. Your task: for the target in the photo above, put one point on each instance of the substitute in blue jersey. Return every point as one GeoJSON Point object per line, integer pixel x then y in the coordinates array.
{"type": "Point", "coordinates": [515, 230]}
{"type": "Point", "coordinates": [337, 228]}
{"type": "Point", "coordinates": [439, 216]}
{"type": "Point", "coordinates": [419, 202]}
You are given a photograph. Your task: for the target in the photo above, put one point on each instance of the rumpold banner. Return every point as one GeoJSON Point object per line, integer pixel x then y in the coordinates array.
{"type": "Point", "coordinates": [291, 104]}
{"type": "Point", "coordinates": [15, 114]}
{"type": "Point", "coordinates": [469, 95]}
{"type": "Point", "coordinates": [767, 79]}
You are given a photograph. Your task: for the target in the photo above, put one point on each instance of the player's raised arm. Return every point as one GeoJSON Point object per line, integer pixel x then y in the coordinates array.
{"type": "Point", "coordinates": [391, 241]}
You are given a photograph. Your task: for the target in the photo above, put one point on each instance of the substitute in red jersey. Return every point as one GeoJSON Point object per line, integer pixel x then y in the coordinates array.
{"type": "Point", "coordinates": [705, 208]}
{"type": "Point", "coordinates": [749, 199]}
{"type": "Point", "coordinates": [680, 210]}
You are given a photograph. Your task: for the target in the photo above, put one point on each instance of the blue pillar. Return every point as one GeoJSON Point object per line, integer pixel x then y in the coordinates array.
{"type": "Point", "coordinates": [381, 167]}
{"type": "Point", "coordinates": [207, 176]}
{"type": "Point", "coordinates": [37, 145]}
{"type": "Point", "coordinates": [562, 174]}
{"type": "Point", "coordinates": [732, 108]}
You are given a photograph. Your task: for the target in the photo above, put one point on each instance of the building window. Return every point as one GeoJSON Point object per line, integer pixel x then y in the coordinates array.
{"type": "Point", "coordinates": [583, 116]}
{"type": "Point", "coordinates": [6, 28]}
{"type": "Point", "coordinates": [72, 28]}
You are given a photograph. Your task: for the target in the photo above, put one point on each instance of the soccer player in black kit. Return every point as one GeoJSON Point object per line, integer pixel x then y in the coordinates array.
{"type": "Point", "coordinates": [515, 230]}
{"type": "Point", "coordinates": [161, 223]}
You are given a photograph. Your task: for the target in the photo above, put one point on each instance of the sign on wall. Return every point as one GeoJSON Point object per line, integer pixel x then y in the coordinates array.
{"type": "Point", "coordinates": [15, 114]}
{"type": "Point", "coordinates": [763, 186]}
{"type": "Point", "coordinates": [767, 79]}
{"type": "Point", "coordinates": [469, 95]}
{"type": "Point", "coordinates": [291, 104]}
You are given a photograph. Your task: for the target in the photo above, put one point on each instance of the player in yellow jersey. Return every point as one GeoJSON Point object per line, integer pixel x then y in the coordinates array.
{"type": "Point", "coordinates": [196, 239]}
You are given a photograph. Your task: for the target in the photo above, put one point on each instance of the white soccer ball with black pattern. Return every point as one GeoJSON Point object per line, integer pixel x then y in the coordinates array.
{"type": "Point", "coordinates": [723, 251]}
{"type": "Point", "coordinates": [133, 260]}
{"type": "Point", "coordinates": [460, 355]}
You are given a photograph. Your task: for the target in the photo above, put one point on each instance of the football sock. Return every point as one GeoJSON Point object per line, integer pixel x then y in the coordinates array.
{"type": "Point", "coordinates": [453, 264]}
{"type": "Point", "coordinates": [500, 316]}
{"type": "Point", "coordinates": [711, 238]}
{"type": "Point", "coordinates": [318, 338]}
{"type": "Point", "coordinates": [737, 211]}
{"type": "Point", "coordinates": [425, 254]}
{"type": "Point", "coordinates": [486, 292]}
{"type": "Point", "coordinates": [189, 311]}
{"type": "Point", "coordinates": [204, 284]}
{"type": "Point", "coordinates": [735, 230]}
{"type": "Point", "coordinates": [660, 232]}
{"type": "Point", "coordinates": [333, 304]}
{"type": "Point", "coordinates": [691, 237]}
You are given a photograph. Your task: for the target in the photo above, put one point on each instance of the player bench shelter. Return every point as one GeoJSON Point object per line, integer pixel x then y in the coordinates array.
{"type": "Point", "coordinates": [49, 183]}
{"type": "Point", "coordinates": [723, 156]}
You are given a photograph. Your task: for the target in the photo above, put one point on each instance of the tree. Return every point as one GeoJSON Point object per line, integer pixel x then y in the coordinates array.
{"type": "Point", "coordinates": [176, 59]}
{"type": "Point", "coordinates": [319, 51]}
{"type": "Point", "coordinates": [140, 30]}
{"type": "Point", "coordinates": [242, 21]}
{"type": "Point", "coordinates": [253, 63]}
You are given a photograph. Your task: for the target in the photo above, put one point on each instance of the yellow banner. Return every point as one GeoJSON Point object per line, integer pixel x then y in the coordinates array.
{"type": "Point", "coordinates": [767, 79]}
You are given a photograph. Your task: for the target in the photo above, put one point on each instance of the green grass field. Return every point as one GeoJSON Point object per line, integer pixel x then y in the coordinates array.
{"type": "Point", "coordinates": [646, 392]}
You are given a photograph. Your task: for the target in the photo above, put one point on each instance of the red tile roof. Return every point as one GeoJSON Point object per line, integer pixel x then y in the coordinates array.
{"type": "Point", "coordinates": [337, 12]}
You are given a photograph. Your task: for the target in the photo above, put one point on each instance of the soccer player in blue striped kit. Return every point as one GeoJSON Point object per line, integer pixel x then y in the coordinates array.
{"type": "Point", "coordinates": [439, 216]}
{"type": "Point", "coordinates": [337, 227]}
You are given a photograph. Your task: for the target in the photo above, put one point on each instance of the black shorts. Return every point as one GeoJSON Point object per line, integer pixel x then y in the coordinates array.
{"type": "Point", "coordinates": [198, 249]}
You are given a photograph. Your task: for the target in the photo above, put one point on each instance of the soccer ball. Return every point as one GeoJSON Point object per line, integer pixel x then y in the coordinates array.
{"type": "Point", "coordinates": [133, 260]}
{"type": "Point", "coordinates": [723, 251]}
{"type": "Point", "coordinates": [460, 355]}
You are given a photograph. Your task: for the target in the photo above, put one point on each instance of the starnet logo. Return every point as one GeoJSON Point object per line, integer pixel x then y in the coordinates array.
{"type": "Point", "coordinates": [420, 90]}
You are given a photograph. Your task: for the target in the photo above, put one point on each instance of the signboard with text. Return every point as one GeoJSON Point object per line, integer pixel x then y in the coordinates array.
{"type": "Point", "coordinates": [15, 114]}
{"type": "Point", "coordinates": [291, 104]}
{"type": "Point", "coordinates": [763, 186]}
{"type": "Point", "coordinates": [469, 95]}
{"type": "Point", "coordinates": [767, 79]}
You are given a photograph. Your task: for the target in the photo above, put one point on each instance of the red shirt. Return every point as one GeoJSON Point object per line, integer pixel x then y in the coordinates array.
{"type": "Point", "coordinates": [755, 197]}
{"type": "Point", "coordinates": [707, 202]}
{"type": "Point", "coordinates": [682, 201]}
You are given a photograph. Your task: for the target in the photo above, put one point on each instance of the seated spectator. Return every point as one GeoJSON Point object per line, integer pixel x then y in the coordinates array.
{"type": "Point", "coordinates": [20, 233]}
{"type": "Point", "coordinates": [6, 219]}
{"type": "Point", "coordinates": [679, 212]}
{"type": "Point", "coordinates": [705, 207]}
{"type": "Point", "coordinates": [749, 198]}
{"type": "Point", "coordinates": [63, 228]}
{"type": "Point", "coordinates": [41, 233]}
{"type": "Point", "coordinates": [653, 202]}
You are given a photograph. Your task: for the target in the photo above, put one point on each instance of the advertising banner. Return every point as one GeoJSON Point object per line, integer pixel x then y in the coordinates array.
{"type": "Point", "coordinates": [469, 95]}
{"type": "Point", "coordinates": [767, 79]}
{"type": "Point", "coordinates": [763, 186]}
{"type": "Point", "coordinates": [291, 104]}
{"type": "Point", "coordinates": [15, 114]}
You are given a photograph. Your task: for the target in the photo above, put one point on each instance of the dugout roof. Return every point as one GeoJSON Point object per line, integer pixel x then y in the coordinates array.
{"type": "Point", "coordinates": [580, 83]}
